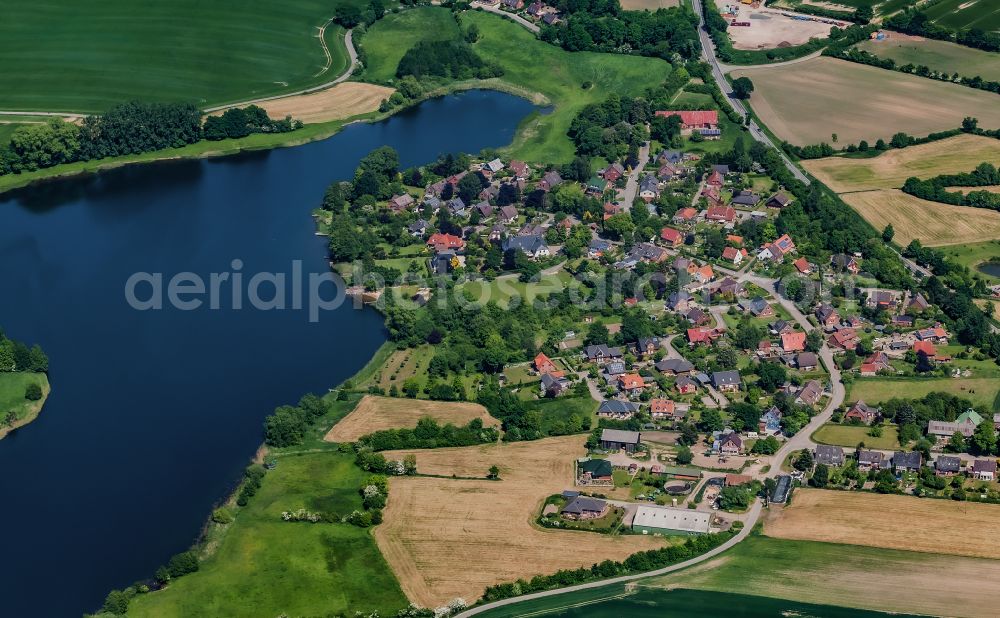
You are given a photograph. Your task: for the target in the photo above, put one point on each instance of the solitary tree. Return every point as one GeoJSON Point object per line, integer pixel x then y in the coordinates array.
{"type": "Point", "coordinates": [888, 233]}
{"type": "Point", "coordinates": [494, 473]}
{"type": "Point", "coordinates": [742, 87]}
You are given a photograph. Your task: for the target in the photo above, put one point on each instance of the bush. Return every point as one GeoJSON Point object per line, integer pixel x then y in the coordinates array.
{"type": "Point", "coordinates": [182, 564]}
{"type": "Point", "coordinates": [222, 516]}
{"type": "Point", "coordinates": [33, 392]}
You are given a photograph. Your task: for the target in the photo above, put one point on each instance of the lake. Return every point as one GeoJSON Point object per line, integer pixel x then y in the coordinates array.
{"type": "Point", "coordinates": [154, 414]}
{"type": "Point", "coordinates": [989, 268]}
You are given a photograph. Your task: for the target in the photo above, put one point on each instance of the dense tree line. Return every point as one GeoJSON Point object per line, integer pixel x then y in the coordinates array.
{"type": "Point", "coordinates": [429, 434]}
{"type": "Point", "coordinates": [287, 425]}
{"type": "Point", "coordinates": [601, 25]}
{"type": "Point", "coordinates": [127, 129]}
{"type": "Point", "coordinates": [914, 21]}
{"type": "Point", "coordinates": [913, 415]}
{"type": "Point", "coordinates": [453, 59]}
{"type": "Point", "coordinates": [863, 57]}
{"type": "Point", "coordinates": [636, 563]}
{"type": "Point", "coordinates": [935, 189]}
{"type": "Point", "coordinates": [17, 356]}
{"type": "Point", "coordinates": [611, 129]}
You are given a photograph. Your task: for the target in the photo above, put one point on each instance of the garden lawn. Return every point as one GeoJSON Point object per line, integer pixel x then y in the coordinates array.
{"type": "Point", "coordinates": [267, 567]}
{"type": "Point", "coordinates": [851, 435]}
{"type": "Point", "coordinates": [980, 390]}
{"type": "Point", "coordinates": [558, 75]}
{"type": "Point", "coordinates": [730, 130]}
{"type": "Point", "coordinates": [61, 55]}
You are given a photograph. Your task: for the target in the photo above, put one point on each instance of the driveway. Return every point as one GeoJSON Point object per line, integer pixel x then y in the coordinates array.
{"type": "Point", "coordinates": [512, 16]}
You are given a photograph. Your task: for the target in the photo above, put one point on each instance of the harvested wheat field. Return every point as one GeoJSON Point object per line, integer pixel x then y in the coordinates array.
{"type": "Point", "coordinates": [342, 101]}
{"type": "Point", "coordinates": [933, 223]}
{"type": "Point", "coordinates": [447, 538]}
{"type": "Point", "coordinates": [890, 169]}
{"type": "Point", "coordinates": [376, 413]}
{"type": "Point", "coordinates": [895, 522]}
{"type": "Point", "coordinates": [859, 102]}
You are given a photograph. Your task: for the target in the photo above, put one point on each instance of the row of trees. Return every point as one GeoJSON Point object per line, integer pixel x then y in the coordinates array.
{"type": "Point", "coordinates": [453, 59]}
{"type": "Point", "coordinates": [935, 189]}
{"type": "Point", "coordinates": [126, 129]}
{"type": "Point", "coordinates": [429, 434]}
{"type": "Point", "coordinates": [17, 356]}
{"type": "Point", "coordinates": [863, 57]}
{"type": "Point", "coordinates": [914, 21]}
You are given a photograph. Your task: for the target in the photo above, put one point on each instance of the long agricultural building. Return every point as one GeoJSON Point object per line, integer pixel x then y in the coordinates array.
{"type": "Point", "coordinates": [670, 521]}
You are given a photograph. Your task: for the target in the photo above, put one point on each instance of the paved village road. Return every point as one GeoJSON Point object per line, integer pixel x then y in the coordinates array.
{"type": "Point", "coordinates": [751, 520]}
{"type": "Point", "coordinates": [632, 182]}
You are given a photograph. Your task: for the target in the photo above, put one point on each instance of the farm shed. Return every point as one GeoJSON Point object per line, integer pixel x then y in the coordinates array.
{"type": "Point", "coordinates": [670, 521]}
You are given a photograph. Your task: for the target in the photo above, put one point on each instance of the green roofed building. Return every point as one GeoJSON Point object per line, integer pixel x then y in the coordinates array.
{"type": "Point", "coordinates": [596, 468]}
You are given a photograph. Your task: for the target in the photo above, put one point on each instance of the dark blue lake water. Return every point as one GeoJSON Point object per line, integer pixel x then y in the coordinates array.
{"type": "Point", "coordinates": [154, 414]}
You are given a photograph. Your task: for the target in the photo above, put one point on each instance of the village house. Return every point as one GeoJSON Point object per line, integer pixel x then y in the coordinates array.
{"type": "Point", "coordinates": [418, 228]}
{"type": "Point", "coordinates": [702, 121]}
{"type": "Point", "coordinates": [731, 444]}
{"type": "Point", "coordinates": [543, 364]}
{"type": "Point", "coordinates": [810, 393]}
{"type": "Point", "coordinates": [614, 369]}
{"type": "Point", "coordinates": [907, 461]}
{"type": "Point", "coordinates": [596, 186]}
{"type": "Point", "coordinates": [803, 266]}
{"type": "Point", "coordinates": [697, 316]}
{"type": "Point", "coordinates": [507, 214]}
{"type": "Point", "coordinates": [984, 469]}
{"type": "Point", "coordinates": [726, 381]}
{"type": "Point", "coordinates": [679, 301]}
{"type": "Point", "coordinates": [675, 366]}
{"type": "Point", "coordinates": [720, 214]}
{"type": "Point", "coordinates": [617, 409]}
{"type": "Point", "coordinates": [649, 188]}
{"type": "Point", "coordinates": [861, 412]}
{"type": "Point", "coordinates": [947, 465]}
{"type": "Point", "coordinates": [663, 409]}
{"type": "Point", "coordinates": [806, 361]}
{"type": "Point", "coordinates": [671, 237]}
{"type": "Point", "coordinates": [532, 246]}
{"type": "Point", "coordinates": [550, 181]}
{"type": "Point", "coordinates": [701, 334]}
{"type": "Point", "coordinates": [581, 507]}
{"type": "Point", "coordinates": [745, 198]}
{"type": "Point", "coordinates": [882, 299]}
{"type": "Point", "coordinates": [871, 460]}
{"type": "Point", "coordinates": [647, 346]}
{"type": "Point", "coordinates": [602, 353]}
{"type": "Point", "coordinates": [918, 303]}
{"type": "Point", "coordinates": [631, 384]}
{"type": "Point", "coordinates": [401, 202]}
{"type": "Point", "coordinates": [685, 385]}
{"type": "Point", "coordinates": [926, 348]}
{"type": "Point", "coordinates": [616, 439]}
{"type": "Point", "coordinates": [598, 247]}
{"type": "Point", "coordinates": [828, 455]}
{"type": "Point", "coordinates": [520, 169]}
{"type": "Point", "coordinates": [445, 242]}
{"type": "Point", "coordinates": [554, 384]}
{"type": "Point", "coordinates": [669, 171]}
{"type": "Point", "coordinates": [734, 255]}
{"type": "Point", "coordinates": [879, 361]}
{"type": "Point", "coordinates": [793, 342]}
{"type": "Point", "coordinates": [965, 424]}
{"type": "Point", "coordinates": [444, 262]}
{"type": "Point", "coordinates": [685, 215]}
{"type": "Point", "coordinates": [729, 287]}
{"type": "Point", "coordinates": [934, 334]}
{"type": "Point", "coordinates": [484, 208]}
{"type": "Point", "coordinates": [842, 262]}
{"type": "Point", "coordinates": [516, 5]}
{"type": "Point", "coordinates": [779, 200]}
{"type": "Point", "coordinates": [770, 421]}
{"type": "Point", "coordinates": [827, 316]}
{"type": "Point", "coordinates": [845, 339]}
{"type": "Point", "coordinates": [757, 307]}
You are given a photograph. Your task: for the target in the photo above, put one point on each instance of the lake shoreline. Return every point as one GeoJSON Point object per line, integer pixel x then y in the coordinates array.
{"type": "Point", "coordinates": [258, 142]}
{"type": "Point", "coordinates": [34, 410]}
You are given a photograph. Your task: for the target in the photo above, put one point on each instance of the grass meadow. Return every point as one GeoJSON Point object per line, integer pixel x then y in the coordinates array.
{"type": "Point", "coordinates": [981, 390]}
{"type": "Point", "coordinates": [267, 567]}
{"type": "Point", "coordinates": [60, 55]}
{"type": "Point", "coordinates": [12, 387]}
{"type": "Point", "coordinates": [536, 70]}
{"type": "Point", "coordinates": [851, 435]}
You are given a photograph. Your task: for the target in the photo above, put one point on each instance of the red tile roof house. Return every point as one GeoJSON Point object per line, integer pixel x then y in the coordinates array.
{"type": "Point", "coordinates": [793, 342]}
{"type": "Point", "coordinates": [691, 120]}
{"type": "Point", "coordinates": [734, 255]}
{"type": "Point", "coordinates": [926, 347]}
{"type": "Point", "coordinates": [724, 214]}
{"type": "Point", "coordinates": [544, 364]}
{"type": "Point", "coordinates": [701, 335]}
{"type": "Point", "coordinates": [860, 411]}
{"type": "Point", "coordinates": [631, 383]}
{"type": "Point", "coordinates": [685, 215]}
{"type": "Point", "coordinates": [612, 172]}
{"type": "Point", "coordinates": [845, 339]}
{"type": "Point", "coordinates": [685, 385]}
{"type": "Point", "coordinates": [660, 408]}
{"type": "Point", "coordinates": [671, 237]}
{"type": "Point", "coordinates": [827, 316]}
{"type": "Point", "coordinates": [715, 179]}
{"type": "Point", "coordinates": [803, 266]}
{"type": "Point", "coordinates": [520, 169]}
{"type": "Point", "coordinates": [445, 242]}
{"type": "Point", "coordinates": [401, 202]}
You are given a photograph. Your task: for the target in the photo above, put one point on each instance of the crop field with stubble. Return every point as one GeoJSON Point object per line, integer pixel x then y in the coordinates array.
{"type": "Point", "coordinates": [857, 102]}
{"type": "Point", "coordinates": [376, 413]}
{"type": "Point", "coordinates": [933, 526]}
{"type": "Point", "coordinates": [450, 537]}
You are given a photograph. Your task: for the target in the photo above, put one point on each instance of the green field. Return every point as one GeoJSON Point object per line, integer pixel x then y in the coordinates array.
{"type": "Point", "coordinates": [730, 130]}
{"type": "Point", "coordinates": [962, 14]}
{"type": "Point", "coordinates": [531, 68]}
{"type": "Point", "coordinates": [974, 254]}
{"type": "Point", "coordinates": [937, 55]}
{"type": "Point", "coordinates": [60, 55]}
{"type": "Point", "coordinates": [12, 386]}
{"type": "Point", "coordinates": [267, 567]}
{"type": "Point", "coordinates": [502, 290]}
{"type": "Point", "coordinates": [390, 37]}
{"type": "Point", "coordinates": [851, 435]}
{"type": "Point", "coordinates": [982, 391]}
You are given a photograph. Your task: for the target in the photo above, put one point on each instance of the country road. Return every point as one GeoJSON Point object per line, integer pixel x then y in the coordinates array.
{"type": "Point", "coordinates": [512, 16]}
{"type": "Point", "coordinates": [351, 52]}
{"type": "Point", "coordinates": [708, 53]}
